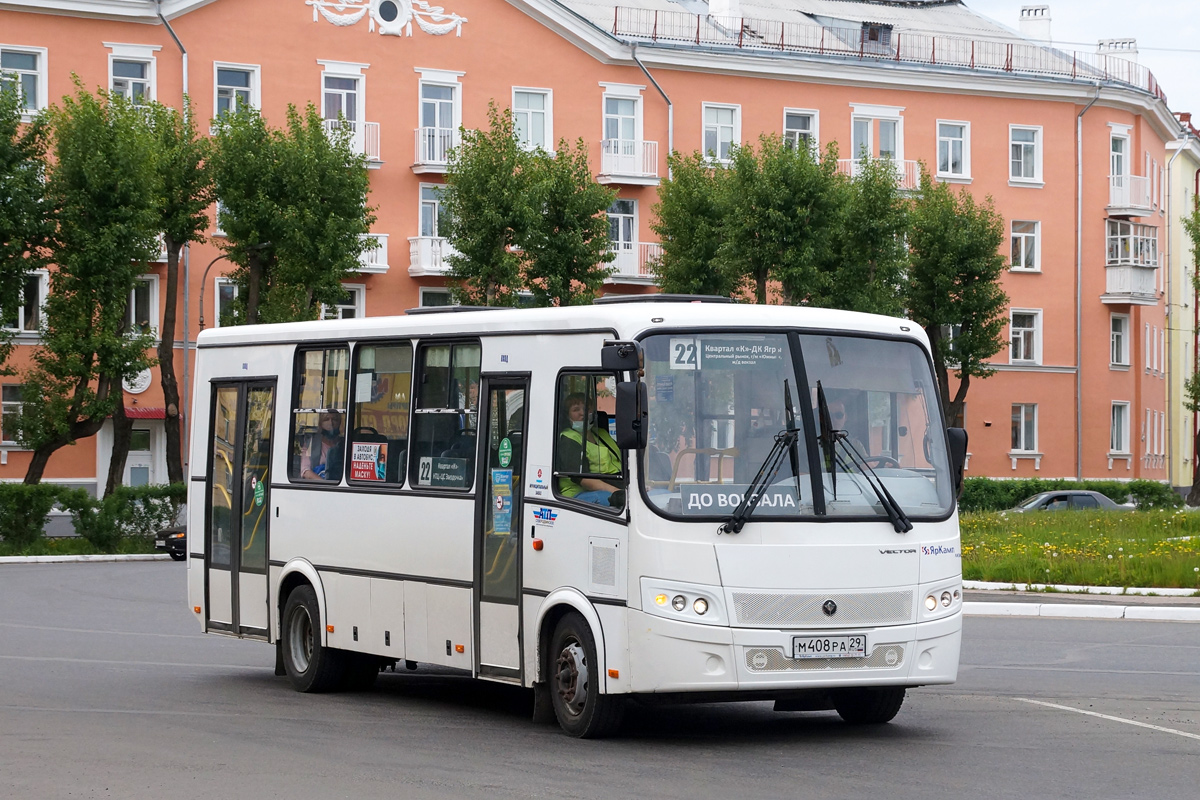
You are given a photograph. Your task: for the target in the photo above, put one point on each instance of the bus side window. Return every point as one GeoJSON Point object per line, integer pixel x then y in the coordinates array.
{"type": "Point", "coordinates": [378, 444]}
{"type": "Point", "coordinates": [319, 414]}
{"type": "Point", "coordinates": [588, 466]}
{"type": "Point", "coordinates": [446, 416]}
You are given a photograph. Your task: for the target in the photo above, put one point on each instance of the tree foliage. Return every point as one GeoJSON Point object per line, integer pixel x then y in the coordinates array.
{"type": "Point", "coordinates": [103, 188]}
{"type": "Point", "coordinates": [954, 284]}
{"type": "Point", "coordinates": [25, 224]}
{"type": "Point", "coordinates": [293, 210]}
{"type": "Point", "coordinates": [688, 220]}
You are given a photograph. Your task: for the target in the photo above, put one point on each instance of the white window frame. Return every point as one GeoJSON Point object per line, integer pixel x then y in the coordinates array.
{"type": "Point", "coordinates": [358, 291]}
{"type": "Point", "coordinates": [1121, 132]}
{"type": "Point", "coordinates": [255, 71]}
{"type": "Point", "coordinates": [1123, 344]}
{"type": "Point", "coordinates": [350, 70]}
{"type": "Point", "coordinates": [441, 77]}
{"type": "Point", "coordinates": [135, 52]}
{"type": "Point", "coordinates": [965, 175]}
{"type": "Point", "coordinates": [42, 92]}
{"type": "Point", "coordinates": [872, 114]}
{"type": "Point", "coordinates": [1039, 145]}
{"type": "Point", "coordinates": [421, 208]}
{"type": "Point", "coordinates": [1037, 336]}
{"type": "Point", "coordinates": [151, 279]}
{"type": "Point", "coordinates": [1026, 448]}
{"type": "Point", "coordinates": [218, 282]}
{"type": "Point", "coordinates": [9, 407]}
{"type": "Point", "coordinates": [1162, 352]}
{"type": "Point", "coordinates": [1037, 245]}
{"type": "Point", "coordinates": [625, 91]}
{"type": "Point", "coordinates": [43, 289]}
{"type": "Point", "coordinates": [814, 130]}
{"type": "Point", "coordinates": [715, 158]}
{"type": "Point", "coordinates": [1123, 446]}
{"type": "Point", "coordinates": [217, 206]}
{"type": "Point", "coordinates": [431, 290]}
{"type": "Point", "coordinates": [547, 113]}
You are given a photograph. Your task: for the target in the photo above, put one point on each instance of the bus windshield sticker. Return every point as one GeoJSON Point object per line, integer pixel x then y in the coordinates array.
{"type": "Point", "coordinates": [718, 354]}
{"type": "Point", "coordinates": [502, 501]}
{"type": "Point", "coordinates": [443, 472]}
{"type": "Point", "coordinates": [683, 354]}
{"type": "Point", "coordinates": [664, 388]}
{"type": "Point", "coordinates": [722, 499]}
{"type": "Point", "coordinates": [362, 387]}
{"type": "Point", "coordinates": [368, 461]}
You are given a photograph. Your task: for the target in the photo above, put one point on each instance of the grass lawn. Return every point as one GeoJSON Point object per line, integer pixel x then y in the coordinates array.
{"type": "Point", "coordinates": [76, 546]}
{"type": "Point", "coordinates": [1159, 549]}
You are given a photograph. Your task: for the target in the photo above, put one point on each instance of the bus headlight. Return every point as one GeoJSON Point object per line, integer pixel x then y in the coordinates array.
{"type": "Point", "coordinates": [700, 606]}
{"type": "Point", "coordinates": [931, 602]}
{"type": "Point", "coordinates": [946, 599]}
{"type": "Point", "coordinates": [684, 602]}
{"type": "Point", "coordinates": [679, 602]}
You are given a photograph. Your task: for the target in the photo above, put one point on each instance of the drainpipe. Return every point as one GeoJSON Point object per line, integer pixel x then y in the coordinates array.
{"type": "Point", "coordinates": [1171, 344]}
{"type": "Point", "coordinates": [670, 108]}
{"type": "Point", "coordinates": [185, 443]}
{"type": "Point", "coordinates": [1079, 285]}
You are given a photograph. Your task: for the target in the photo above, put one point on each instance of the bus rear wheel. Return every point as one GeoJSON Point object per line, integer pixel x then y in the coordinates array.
{"type": "Point", "coordinates": [868, 706]}
{"type": "Point", "coordinates": [311, 666]}
{"type": "Point", "coordinates": [581, 709]}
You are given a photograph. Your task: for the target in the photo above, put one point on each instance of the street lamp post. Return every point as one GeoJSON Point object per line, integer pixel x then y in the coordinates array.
{"type": "Point", "coordinates": [204, 280]}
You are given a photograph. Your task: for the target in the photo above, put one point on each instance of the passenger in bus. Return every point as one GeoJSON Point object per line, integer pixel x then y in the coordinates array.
{"type": "Point", "coordinates": [323, 456]}
{"type": "Point", "coordinates": [580, 439]}
{"type": "Point", "coordinates": [839, 419]}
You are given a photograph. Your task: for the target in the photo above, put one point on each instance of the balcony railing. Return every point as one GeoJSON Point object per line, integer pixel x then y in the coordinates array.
{"type": "Point", "coordinates": [427, 255]}
{"type": "Point", "coordinates": [628, 158]}
{"type": "Point", "coordinates": [434, 146]}
{"type": "Point", "coordinates": [374, 260]}
{"type": "Point", "coordinates": [1130, 285]}
{"type": "Point", "coordinates": [364, 136]}
{"type": "Point", "coordinates": [1131, 244]}
{"type": "Point", "coordinates": [633, 261]}
{"type": "Point", "coordinates": [908, 172]}
{"type": "Point", "coordinates": [1130, 192]}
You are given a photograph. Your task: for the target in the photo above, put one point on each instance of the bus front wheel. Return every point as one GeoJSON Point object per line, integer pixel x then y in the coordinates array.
{"type": "Point", "coordinates": [868, 706]}
{"type": "Point", "coordinates": [311, 666]}
{"type": "Point", "coordinates": [582, 710]}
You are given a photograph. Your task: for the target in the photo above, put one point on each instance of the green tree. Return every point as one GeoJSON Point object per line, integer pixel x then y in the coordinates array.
{"type": "Point", "coordinates": [25, 224]}
{"type": "Point", "coordinates": [294, 211]}
{"type": "Point", "coordinates": [564, 243]}
{"type": "Point", "coordinates": [182, 204]}
{"type": "Point", "coordinates": [953, 284]}
{"type": "Point", "coordinates": [103, 187]}
{"type": "Point", "coordinates": [688, 220]}
{"type": "Point", "coordinates": [485, 207]}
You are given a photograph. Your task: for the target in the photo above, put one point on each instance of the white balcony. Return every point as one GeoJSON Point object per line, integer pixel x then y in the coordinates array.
{"type": "Point", "coordinates": [433, 146]}
{"type": "Point", "coordinates": [908, 172]}
{"type": "Point", "coordinates": [427, 256]}
{"type": "Point", "coordinates": [628, 161]}
{"type": "Point", "coordinates": [1131, 244]}
{"type": "Point", "coordinates": [375, 260]}
{"type": "Point", "coordinates": [364, 136]}
{"type": "Point", "coordinates": [1129, 196]}
{"type": "Point", "coordinates": [1130, 285]}
{"type": "Point", "coordinates": [633, 262]}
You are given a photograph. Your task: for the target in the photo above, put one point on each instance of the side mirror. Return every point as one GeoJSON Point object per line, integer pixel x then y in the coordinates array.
{"type": "Point", "coordinates": [632, 426]}
{"type": "Point", "coordinates": [622, 357]}
{"type": "Point", "coordinates": [958, 456]}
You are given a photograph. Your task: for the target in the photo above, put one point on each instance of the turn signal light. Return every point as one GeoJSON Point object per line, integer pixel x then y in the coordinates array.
{"type": "Point", "coordinates": [458, 648]}
{"type": "Point", "coordinates": [329, 629]}
{"type": "Point", "coordinates": [660, 599]}
{"type": "Point", "coordinates": [538, 544]}
{"type": "Point", "coordinates": [196, 609]}
{"type": "Point", "coordinates": [614, 673]}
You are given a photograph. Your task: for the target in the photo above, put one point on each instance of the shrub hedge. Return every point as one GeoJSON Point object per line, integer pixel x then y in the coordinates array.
{"type": "Point", "coordinates": [24, 510]}
{"type": "Point", "coordinates": [129, 511]}
{"type": "Point", "coordinates": [988, 494]}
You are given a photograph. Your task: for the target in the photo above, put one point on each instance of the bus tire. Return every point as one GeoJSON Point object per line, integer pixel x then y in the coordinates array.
{"type": "Point", "coordinates": [574, 677]}
{"type": "Point", "coordinates": [310, 665]}
{"type": "Point", "coordinates": [868, 706]}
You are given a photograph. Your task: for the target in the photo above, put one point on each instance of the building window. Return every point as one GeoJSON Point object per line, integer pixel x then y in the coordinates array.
{"type": "Point", "coordinates": [141, 315]}
{"type": "Point", "coordinates": [799, 126]}
{"type": "Point", "coordinates": [721, 132]}
{"type": "Point", "coordinates": [1118, 159]}
{"type": "Point", "coordinates": [954, 149]}
{"type": "Point", "coordinates": [10, 409]}
{"type": "Point", "coordinates": [532, 118]}
{"type": "Point", "coordinates": [1025, 249]}
{"type": "Point", "coordinates": [1120, 341]}
{"type": "Point", "coordinates": [133, 80]}
{"type": "Point", "coordinates": [225, 302]}
{"type": "Point", "coordinates": [24, 71]}
{"type": "Point", "coordinates": [431, 209]}
{"type": "Point", "coordinates": [431, 298]}
{"type": "Point", "coordinates": [437, 106]}
{"type": "Point", "coordinates": [351, 306]}
{"type": "Point", "coordinates": [27, 316]}
{"type": "Point", "coordinates": [340, 97]}
{"type": "Point", "coordinates": [621, 118]}
{"type": "Point", "coordinates": [1024, 428]}
{"type": "Point", "coordinates": [1118, 440]}
{"type": "Point", "coordinates": [236, 88]}
{"type": "Point", "coordinates": [1025, 342]}
{"type": "Point", "coordinates": [1025, 147]}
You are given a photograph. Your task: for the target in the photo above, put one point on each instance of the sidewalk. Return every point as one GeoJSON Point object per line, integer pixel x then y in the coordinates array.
{"type": "Point", "coordinates": [1079, 602]}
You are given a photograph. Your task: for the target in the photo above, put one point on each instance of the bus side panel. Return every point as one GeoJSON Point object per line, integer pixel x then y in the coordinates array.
{"type": "Point", "coordinates": [348, 611]}
{"type": "Point", "coordinates": [615, 623]}
{"type": "Point", "coordinates": [387, 617]}
{"type": "Point", "coordinates": [449, 614]}
{"type": "Point", "coordinates": [416, 623]}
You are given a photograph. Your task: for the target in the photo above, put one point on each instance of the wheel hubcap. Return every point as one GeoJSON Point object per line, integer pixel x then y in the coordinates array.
{"type": "Point", "coordinates": [300, 639]}
{"type": "Point", "coordinates": [572, 677]}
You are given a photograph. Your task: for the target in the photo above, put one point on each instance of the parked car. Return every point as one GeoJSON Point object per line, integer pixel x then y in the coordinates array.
{"type": "Point", "coordinates": [174, 539]}
{"type": "Point", "coordinates": [1076, 500]}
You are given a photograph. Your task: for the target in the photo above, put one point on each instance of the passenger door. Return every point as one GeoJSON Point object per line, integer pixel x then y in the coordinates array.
{"type": "Point", "coordinates": [237, 512]}
{"type": "Point", "coordinates": [498, 523]}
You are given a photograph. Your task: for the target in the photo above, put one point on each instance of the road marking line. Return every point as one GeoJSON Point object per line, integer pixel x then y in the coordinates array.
{"type": "Point", "coordinates": [1021, 668]}
{"type": "Point", "coordinates": [110, 662]}
{"type": "Point", "coordinates": [1110, 718]}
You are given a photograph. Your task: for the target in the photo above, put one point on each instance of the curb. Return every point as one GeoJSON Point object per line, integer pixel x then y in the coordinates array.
{"type": "Point", "coordinates": [1081, 611]}
{"type": "Point", "coordinates": [79, 559]}
{"type": "Point", "coordinates": [1042, 587]}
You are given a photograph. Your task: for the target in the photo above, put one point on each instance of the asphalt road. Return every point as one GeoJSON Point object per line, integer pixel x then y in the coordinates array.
{"type": "Point", "coordinates": [108, 691]}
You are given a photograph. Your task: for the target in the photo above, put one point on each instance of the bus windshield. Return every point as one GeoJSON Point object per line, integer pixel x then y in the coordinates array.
{"type": "Point", "coordinates": [716, 406]}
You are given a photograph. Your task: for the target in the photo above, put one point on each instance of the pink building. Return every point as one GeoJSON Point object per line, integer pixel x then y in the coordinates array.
{"type": "Point", "coordinates": [1071, 146]}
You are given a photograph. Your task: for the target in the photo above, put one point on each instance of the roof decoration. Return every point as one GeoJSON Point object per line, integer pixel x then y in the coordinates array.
{"type": "Point", "coordinates": [394, 17]}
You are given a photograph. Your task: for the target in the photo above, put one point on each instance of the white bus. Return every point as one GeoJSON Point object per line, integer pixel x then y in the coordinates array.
{"type": "Point", "coordinates": [646, 498]}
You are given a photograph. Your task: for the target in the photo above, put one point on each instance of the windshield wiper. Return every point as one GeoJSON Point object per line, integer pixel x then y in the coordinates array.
{"type": "Point", "coordinates": [785, 441]}
{"type": "Point", "coordinates": [830, 438]}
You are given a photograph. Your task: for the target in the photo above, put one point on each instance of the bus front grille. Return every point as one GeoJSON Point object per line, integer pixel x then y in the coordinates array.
{"type": "Point", "coordinates": [773, 659]}
{"type": "Point", "coordinates": [793, 610]}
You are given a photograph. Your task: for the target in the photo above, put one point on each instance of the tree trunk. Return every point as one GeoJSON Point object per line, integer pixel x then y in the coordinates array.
{"type": "Point", "coordinates": [37, 466]}
{"type": "Point", "coordinates": [122, 432]}
{"type": "Point", "coordinates": [1193, 498]}
{"type": "Point", "coordinates": [166, 367]}
{"type": "Point", "coordinates": [253, 279]}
